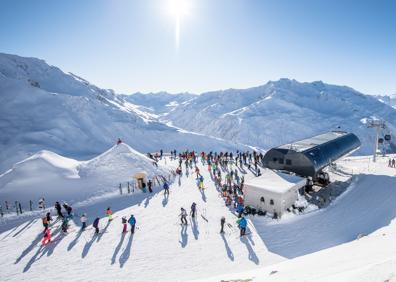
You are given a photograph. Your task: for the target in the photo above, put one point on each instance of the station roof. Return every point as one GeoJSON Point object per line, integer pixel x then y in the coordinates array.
{"type": "Point", "coordinates": [275, 182]}
{"type": "Point", "coordinates": [309, 143]}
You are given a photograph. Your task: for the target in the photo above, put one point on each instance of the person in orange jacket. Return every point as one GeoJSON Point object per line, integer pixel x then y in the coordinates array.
{"type": "Point", "coordinates": [46, 237]}
{"type": "Point", "coordinates": [109, 214]}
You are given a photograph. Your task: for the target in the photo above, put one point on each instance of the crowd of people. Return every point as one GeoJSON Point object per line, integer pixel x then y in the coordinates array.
{"type": "Point", "coordinates": [225, 171]}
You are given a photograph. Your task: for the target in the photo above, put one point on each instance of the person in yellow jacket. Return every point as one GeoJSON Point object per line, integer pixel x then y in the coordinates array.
{"type": "Point", "coordinates": [109, 214]}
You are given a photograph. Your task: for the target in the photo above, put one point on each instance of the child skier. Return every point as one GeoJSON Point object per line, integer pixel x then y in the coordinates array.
{"type": "Point", "coordinates": [46, 237]}
{"type": "Point", "coordinates": [183, 216]}
{"type": "Point", "coordinates": [132, 222]}
{"type": "Point", "coordinates": [83, 220]}
{"type": "Point", "coordinates": [124, 223]}
{"type": "Point", "coordinates": [109, 214]}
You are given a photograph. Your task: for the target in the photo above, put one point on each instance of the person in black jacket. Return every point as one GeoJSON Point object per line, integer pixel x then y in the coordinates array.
{"type": "Point", "coordinates": [58, 208]}
{"type": "Point", "coordinates": [95, 225]}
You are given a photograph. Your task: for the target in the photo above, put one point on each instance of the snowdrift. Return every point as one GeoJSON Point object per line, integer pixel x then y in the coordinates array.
{"type": "Point", "coordinates": [54, 177]}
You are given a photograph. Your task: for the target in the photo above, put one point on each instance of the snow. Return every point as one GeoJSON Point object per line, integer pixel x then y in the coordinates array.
{"type": "Point", "coordinates": [161, 249]}
{"type": "Point", "coordinates": [54, 177]}
{"type": "Point", "coordinates": [275, 182]}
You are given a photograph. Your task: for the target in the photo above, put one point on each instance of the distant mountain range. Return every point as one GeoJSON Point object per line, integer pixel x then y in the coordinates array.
{"type": "Point", "coordinates": [43, 108]}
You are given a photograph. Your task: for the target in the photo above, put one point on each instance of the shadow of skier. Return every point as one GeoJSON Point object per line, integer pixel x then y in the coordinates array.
{"type": "Point", "coordinates": [27, 226]}
{"type": "Point", "coordinates": [29, 248]}
{"type": "Point", "coordinates": [117, 249]}
{"type": "Point", "coordinates": [75, 240]}
{"type": "Point", "coordinates": [252, 254]}
{"type": "Point", "coordinates": [165, 200]}
{"type": "Point", "coordinates": [184, 236]}
{"type": "Point", "coordinates": [202, 191]}
{"type": "Point", "coordinates": [194, 227]}
{"type": "Point", "coordinates": [88, 246]}
{"type": "Point", "coordinates": [126, 253]}
{"type": "Point", "coordinates": [103, 231]}
{"type": "Point", "coordinates": [230, 254]}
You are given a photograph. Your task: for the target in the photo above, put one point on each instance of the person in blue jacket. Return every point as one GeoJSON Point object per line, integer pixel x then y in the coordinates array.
{"type": "Point", "coordinates": [166, 188]}
{"type": "Point", "coordinates": [132, 222]}
{"type": "Point", "coordinates": [242, 223]}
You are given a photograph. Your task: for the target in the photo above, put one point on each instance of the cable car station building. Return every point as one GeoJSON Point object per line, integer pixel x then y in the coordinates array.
{"type": "Point", "coordinates": [308, 157]}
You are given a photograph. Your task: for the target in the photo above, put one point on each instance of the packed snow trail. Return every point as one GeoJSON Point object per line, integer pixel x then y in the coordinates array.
{"type": "Point", "coordinates": [160, 250]}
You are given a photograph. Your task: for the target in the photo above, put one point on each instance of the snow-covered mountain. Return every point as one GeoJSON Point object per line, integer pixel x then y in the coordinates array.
{"type": "Point", "coordinates": [280, 112]}
{"type": "Point", "coordinates": [388, 99]}
{"type": "Point", "coordinates": [158, 103]}
{"type": "Point", "coordinates": [43, 108]}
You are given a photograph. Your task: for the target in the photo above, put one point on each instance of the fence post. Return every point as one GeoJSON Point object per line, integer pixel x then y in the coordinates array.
{"type": "Point", "coordinates": [120, 189]}
{"type": "Point", "coordinates": [16, 207]}
{"type": "Point", "coordinates": [1, 211]}
{"type": "Point", "coordinates": [129, 188]}
{"type": "Point", "coordinates": [6, 203]}
{"type": "Point", "coordinates": [20, 207]}
{"type": "Point", "coordinates": [31, 205]}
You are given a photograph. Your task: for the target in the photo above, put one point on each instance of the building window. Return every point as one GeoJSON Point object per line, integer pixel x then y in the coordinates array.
{"type": "Point", "coordinates": [281, 161]}
{"type": "Point", "coordinates": [262, 200]}
{"type": "Point", "coordinates": [271, 202]}
{"type": "Point", "coordinates": [288, 162]}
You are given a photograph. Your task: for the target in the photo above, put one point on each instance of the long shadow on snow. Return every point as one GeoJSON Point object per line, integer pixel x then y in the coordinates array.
{"type": "Point", "coordinates": [252, 254]}
{"type": "Point", "coordinates": [165, 200]}
{"type": "Point", "coordinates": [42, 250]}
{"type": "Point", "coordinates": [88, 246]}
{"type": "Point", "coordinates": [184, 236]}
{"type": "Point", "coordinates": [117, 249]}
{"type": "Point", "coordinates": [230, 254]}
{"type": "Point", "coordinates": [29, 248]}
{"type": "Point", "coordinates": [194, 227]}
{"type": "Point", "coordinates": [27, 226]}
{"type": "Point", "coordinates": [126, 253]}
{"type": "Point", "coordinates": [75, 240]}
{"type": "Point", "coordinates": [367, 205]}
{"type": "Point", "coordinates": [103, 231]}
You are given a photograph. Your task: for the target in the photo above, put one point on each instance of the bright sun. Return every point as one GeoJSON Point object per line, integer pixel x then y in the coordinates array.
{"type": "Point", "coordinates": [178, 9]}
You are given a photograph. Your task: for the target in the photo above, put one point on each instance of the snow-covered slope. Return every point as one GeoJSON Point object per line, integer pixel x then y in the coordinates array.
{"type": "Point", "coordinates": [388, 99]}
{"type": "Point", "coordinates": [158, 103]}
{"type": "Point", "coordinates": [42, 108]}
{"type": "Point", "coordinates": [280, 112]}
{"type": "Point", "coordinates": [49, 175]}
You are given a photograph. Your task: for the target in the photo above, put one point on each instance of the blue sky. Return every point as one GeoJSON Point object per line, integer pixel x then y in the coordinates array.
{"type": "Point", "coordinates": [129, 45]}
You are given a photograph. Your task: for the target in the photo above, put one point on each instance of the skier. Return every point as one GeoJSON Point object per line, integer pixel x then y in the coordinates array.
{"type": "Point", "coordinates": [83, 220]}
{"type": "Point", "coordinates": [45, 223]}
{"type": "Point", "coordinates": [166, 188]}
{"type": "Point", "coordinates": [132, 222]}
{"type": "Point", "coordinates": [193, 209]}
{"type": "Point", "coordinates": [222, 222]}
{"type": "Point", "coordinates": [46, 237]}
{"type": "Point", "coordinates": [183, 216]}
{"type": "Point", "coordinates": [65, 224]}
{"type": "Point", "coordinates": [124, 223]}
{"type": "Point", "coordinates": [41, 204]}
{"type": "Point", "coordinates": [95, 225]}
{"type": "Point", "coordinates": [58, 210]}
{"type": "Point", "coordinates": [201, 182]}
{"type": "Point", "coordinates": [68, 209]}
{"type": "Point", "coordinates": [109, 214]}
{"type": "Point", "coordinates": [242, 223]}
{"type": "Point", "coordinates": [149, 186]}
{"type": "Point", "coordinates": [197, 171]}
{"type": "Point", "coordinates": [119, 141]}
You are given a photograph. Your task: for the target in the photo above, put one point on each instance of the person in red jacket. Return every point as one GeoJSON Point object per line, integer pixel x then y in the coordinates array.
{"type": "Point", "coordinates": [46, 237]}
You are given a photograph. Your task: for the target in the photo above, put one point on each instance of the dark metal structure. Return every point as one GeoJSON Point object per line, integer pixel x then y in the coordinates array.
{"type": "Point", "coordinates": [308, 157]}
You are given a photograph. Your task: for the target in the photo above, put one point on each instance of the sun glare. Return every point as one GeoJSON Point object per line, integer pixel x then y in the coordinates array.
{"type": "Point", "coordinates": [178, 9]}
